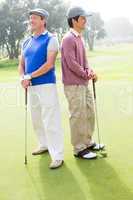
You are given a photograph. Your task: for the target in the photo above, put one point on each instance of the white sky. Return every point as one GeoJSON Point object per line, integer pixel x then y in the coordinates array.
{"type": "Point", "coordinates": [108, 8]}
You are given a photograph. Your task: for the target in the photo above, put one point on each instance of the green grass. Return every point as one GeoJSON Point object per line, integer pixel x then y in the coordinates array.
{"type": "Point", "coordinates": [102, 179]}
{"type": "Point", "coordinates": [110, 63]}
{"type": "Point", "coordinates": [8, 70]}
{"type": "Point", "coordinates": [114, 63]}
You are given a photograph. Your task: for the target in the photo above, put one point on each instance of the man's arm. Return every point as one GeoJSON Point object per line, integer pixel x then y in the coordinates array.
{"type": "Point", "coordinates": [21, 66]}
{"type": "Point", "coordinates": [68, 51]}
{"type": "Point", "coordinates": [48, 65]}
{"type": "Point", "coordinates": [52, 52]}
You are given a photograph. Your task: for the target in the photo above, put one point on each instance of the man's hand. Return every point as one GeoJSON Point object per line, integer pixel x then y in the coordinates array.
{"type": "Point", "coordinates": [26, 81]}
{"type": "Point", "coordinates": [92, 75]}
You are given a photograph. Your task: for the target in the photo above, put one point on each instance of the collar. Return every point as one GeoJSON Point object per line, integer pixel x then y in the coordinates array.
{"type": "Point", "coordinates": [75, 32]}
{"type": "Point", "coordinates": [43, 33]}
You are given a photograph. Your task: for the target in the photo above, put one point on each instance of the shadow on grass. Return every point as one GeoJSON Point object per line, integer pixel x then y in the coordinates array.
{"type": "Point", "coordinates": [103, 181]}
{"type": "Point", "coordinates": [59, 183]}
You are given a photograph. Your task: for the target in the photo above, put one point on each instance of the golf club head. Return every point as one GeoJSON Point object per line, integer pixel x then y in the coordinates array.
{"type": "Point", "coordinates": [104, 154]}
{"type": "Point", "coordinates": [25, 161]}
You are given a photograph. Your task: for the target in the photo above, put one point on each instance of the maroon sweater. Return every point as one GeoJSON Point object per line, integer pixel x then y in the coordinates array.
{"type": "Point", "coordinates": [73, 58]}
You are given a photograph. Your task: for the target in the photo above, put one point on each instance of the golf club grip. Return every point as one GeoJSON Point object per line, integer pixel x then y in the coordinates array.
{"type": "Point", "coordinates": [94, 88]}
{"type": "Point", "coordinates": [26, 96]}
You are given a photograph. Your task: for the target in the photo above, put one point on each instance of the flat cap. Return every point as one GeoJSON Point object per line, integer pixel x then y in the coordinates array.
{"type": "Point", "coordinates": [77, 11]}
{"type": "Point", "coordinates": [40, 12]}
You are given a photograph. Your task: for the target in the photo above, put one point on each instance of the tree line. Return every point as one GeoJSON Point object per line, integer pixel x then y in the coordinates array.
{"type": "Point", "coordinates": [14, 17]}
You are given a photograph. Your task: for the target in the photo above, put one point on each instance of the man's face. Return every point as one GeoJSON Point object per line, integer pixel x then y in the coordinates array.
{"type": "Point", "coordinates": [36, 22]}
{"type": "Point", "coordinates": [81, 23]}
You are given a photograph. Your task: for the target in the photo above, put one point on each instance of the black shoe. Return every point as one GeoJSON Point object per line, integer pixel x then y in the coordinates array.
{"type": "Point", "coordinates": [86, 154]}
{"type": "Point", "coordinates": [96, 147]}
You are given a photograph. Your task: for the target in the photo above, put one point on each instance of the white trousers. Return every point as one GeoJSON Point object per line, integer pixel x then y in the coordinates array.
{"type": "Point", "coordinates": [45, 113]}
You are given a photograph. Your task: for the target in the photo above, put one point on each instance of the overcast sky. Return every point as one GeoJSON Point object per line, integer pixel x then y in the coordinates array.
{"type": "Point", "coordinates": [108, 8]}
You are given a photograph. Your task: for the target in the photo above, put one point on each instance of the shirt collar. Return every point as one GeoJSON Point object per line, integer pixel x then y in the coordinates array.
{"type": "Point", "coordinates": [43, 33]}
{"type": "Point", "coordinates": [75, 32]}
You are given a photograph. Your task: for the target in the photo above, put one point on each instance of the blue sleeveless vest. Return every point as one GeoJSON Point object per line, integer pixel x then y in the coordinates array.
{"type": "Point", "coordinates": [35, 55]}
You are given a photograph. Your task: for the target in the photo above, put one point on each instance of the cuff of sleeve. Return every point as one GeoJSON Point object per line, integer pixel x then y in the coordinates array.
{"type": "Point", "coordinates": [26, 77]}
{"type": "Point", "coordinates": [85, 75]}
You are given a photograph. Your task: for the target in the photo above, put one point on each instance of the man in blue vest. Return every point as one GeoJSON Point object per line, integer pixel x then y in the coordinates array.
{"type": "Point", "coordinates": [37, 72]}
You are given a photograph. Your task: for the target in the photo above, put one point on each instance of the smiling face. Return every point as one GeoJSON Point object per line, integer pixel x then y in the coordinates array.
{"type": "Point", "coordinates": [36, 22]}
{"type": "Point", "coordinates": [80, 24]}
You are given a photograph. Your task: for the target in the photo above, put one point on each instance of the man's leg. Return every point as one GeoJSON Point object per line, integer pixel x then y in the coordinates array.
{"type": "Point", "coordinates": [76, 96]}
{"type": "Point", "coordinates": [37, 117]}
{"type": "Point", "coordinates": [52, 121]}
{"type": "Point", "coordinates": [90, 115]}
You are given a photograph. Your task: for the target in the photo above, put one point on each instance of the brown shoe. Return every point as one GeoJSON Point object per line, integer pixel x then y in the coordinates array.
{"type": "Point", "coordinates": [56, 164]}
{"type": "Point", "coordinates": [39, 151]}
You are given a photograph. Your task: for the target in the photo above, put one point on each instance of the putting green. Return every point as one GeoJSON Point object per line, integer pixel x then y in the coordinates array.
{"type": "Point", "coordinates": [102, 179]}
{"type": "Point", "coordinates": [109, 178]}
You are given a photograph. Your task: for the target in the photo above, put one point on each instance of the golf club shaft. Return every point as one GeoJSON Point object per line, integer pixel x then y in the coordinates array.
{"type": "Point", "coordinates": [96, 112]}
{"type": "Point", "coordinates": [25, 126]}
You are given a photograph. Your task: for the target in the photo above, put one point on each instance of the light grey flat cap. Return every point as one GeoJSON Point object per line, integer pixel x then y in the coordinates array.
{"type": "Point", "coordinates": [77, 11]}
{"type": "Point", "coordinates": [40, 12]}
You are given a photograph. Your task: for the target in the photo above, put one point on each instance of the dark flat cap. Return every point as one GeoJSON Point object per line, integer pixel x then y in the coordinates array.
{"type": "Point", "coordinates": [77, 11]}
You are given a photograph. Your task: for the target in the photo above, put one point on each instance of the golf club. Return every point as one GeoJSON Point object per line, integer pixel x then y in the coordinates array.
{"type": "Point", "coordinates": [102, 152]}
{"type": "Point", "coordinates": [25, 161]}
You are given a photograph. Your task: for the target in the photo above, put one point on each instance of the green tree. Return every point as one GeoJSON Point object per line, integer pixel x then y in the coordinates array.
{"type": "Point", "coordinates": [94, 30]}
{"type": "Point", "coordinates": [13, 21]}
{"type": "Point", "coordinates": [57, 21]}
{"type": "Point", "coordinates": [12, 26]}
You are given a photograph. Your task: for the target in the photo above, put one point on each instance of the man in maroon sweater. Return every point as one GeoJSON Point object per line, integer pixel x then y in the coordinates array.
{"type": "Point", "coordinates": [75, 74]}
